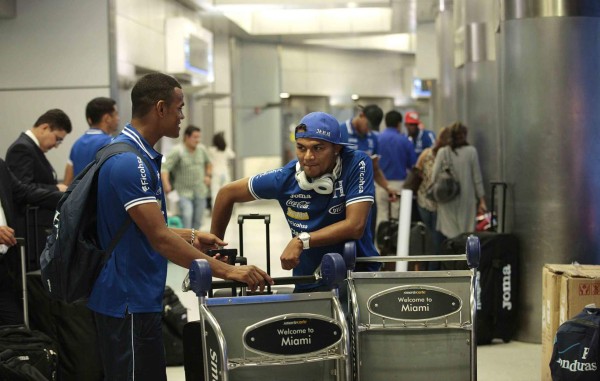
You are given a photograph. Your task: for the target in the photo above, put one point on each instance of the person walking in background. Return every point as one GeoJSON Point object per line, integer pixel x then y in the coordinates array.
{"type": "Point", "coordinates": [421, 138]}
{"type": "Point", "coordinates": [102, 116]}
{"type": "Point", "coordinates": [427, 207]}
{"type": "Point", "coordinates": [458, 215]}
{"type": "Point", "coordinates": [397, 156]}
{"type": "Point", "coordinates": [188, 170]}
{"type": "Point", "coordinates": [220, 157]}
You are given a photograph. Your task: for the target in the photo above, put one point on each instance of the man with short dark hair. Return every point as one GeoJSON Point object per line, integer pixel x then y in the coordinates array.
{"type": "Point", "coordinates": [26, 159]}
{"type": "Point", "coordinates": [326, 195]}
{"type": "Point", "coordinates": [102, 116]}
{"type": "Point", "coordinates": [359, 135]}
{"type": "Point", "coordinates": [190, 164]}
{"type": "Point", "coordinates": [397, 157]}
{"type": "Point", "coordinates": [13, 194]}
{"type": "Point", "coordinates": [127, 296]}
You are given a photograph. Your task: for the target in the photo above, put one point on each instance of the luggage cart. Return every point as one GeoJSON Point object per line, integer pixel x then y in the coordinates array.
{"type": "Point", "coordinates": [291, 337]}
{"type": "Point", "coordinates": [415, 326]}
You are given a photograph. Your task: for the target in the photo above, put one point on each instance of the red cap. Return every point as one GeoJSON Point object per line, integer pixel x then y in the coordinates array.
{"type": "Point", "coordinates": [411, 117]}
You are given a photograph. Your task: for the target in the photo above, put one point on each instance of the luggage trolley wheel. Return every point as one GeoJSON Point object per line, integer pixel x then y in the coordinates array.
{"type": "Point", "coordinates": [349, 254]}
{"type": "Point", "coordinates": [200, 277]}
{"type": "Point", "coordinates": [473, 251]}
{"type": "Point", "coordinates": [333, 269]}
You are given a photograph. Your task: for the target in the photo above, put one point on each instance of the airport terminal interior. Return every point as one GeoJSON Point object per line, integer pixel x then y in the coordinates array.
{"type": "Point", "coordinates": [521, 75]}
{"type": "Point", "coordinates": [499, 361]}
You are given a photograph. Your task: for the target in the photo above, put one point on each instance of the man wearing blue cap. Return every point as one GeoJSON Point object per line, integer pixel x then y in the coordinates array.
{"type": "Point", "coordinates": [326, 195]}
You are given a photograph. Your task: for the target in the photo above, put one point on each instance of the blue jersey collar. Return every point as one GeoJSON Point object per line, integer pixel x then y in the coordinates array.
{"type": "Point", "coordinates": [135, 136]}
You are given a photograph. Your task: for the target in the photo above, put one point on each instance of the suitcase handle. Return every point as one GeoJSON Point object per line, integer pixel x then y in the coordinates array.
{"type": "Point", "coordinates": [256, 216]}
{"type": "Point", "coordinates": [21, 244]}
{"type": "Point", "coordinates": [494, 185]}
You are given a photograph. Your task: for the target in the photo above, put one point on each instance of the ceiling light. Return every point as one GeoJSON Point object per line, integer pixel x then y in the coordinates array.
{"type": "Point", "coordinates": [284, 95]}
{"type": "Point", "coordinates": [355, 97]}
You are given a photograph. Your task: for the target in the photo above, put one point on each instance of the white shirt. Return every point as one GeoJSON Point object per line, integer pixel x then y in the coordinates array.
{"type": "Point", "coordinates": [3, 247]}
{"type": "Point", "coordinates": [32, 136]}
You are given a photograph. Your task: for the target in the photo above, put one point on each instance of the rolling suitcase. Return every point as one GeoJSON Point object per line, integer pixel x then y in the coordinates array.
{"type": "Point", "coordinates": [498, 276]}
{"type": "Point", "coordinates": [174, 317]}
{"type": "Point", "coordinates": [21, 348]}
{"type": "Point", "coordinates": [387, 239]}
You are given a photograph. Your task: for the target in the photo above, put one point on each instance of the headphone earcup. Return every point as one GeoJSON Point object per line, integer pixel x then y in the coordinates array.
{"type": "Point", "coordinates": [324, 184]}
{"type": "Point", "coordinates": [303, 182]}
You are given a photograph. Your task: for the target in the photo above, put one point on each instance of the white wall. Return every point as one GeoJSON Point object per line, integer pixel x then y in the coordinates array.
{"type": "Point", "coordinates": [55, 54]}
{"type": "Point", "coordinates": [338, 73]}
{"type": "Point", "coordinates": [427, 66]}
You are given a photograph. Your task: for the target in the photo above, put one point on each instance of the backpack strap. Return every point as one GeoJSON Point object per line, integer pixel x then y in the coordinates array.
{"type": "Point", "coordinates": [103, 155]}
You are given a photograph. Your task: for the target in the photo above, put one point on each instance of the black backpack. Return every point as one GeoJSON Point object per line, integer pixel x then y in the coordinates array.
{"type": "Point", "coordinates": [575, 355]}
{"type": "Point", "coordinates": [72, 258]}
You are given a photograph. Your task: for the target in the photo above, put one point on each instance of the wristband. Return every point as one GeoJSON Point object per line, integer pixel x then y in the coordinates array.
{"type": "Point", "coordinates": [193, 237]}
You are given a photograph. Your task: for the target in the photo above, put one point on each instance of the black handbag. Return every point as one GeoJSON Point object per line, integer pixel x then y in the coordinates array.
{"type": "Point", "coordinates": [414, 178]}
{"type": "Point", "coordinates": [445, 187]}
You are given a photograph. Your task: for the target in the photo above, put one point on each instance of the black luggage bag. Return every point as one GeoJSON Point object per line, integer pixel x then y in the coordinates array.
{"type": "Point", "coordinates": [174, 317]}
{"type": "Point", "coordinates": [498, 282]}
{"type": "Point", "coordinates": [26, 354]}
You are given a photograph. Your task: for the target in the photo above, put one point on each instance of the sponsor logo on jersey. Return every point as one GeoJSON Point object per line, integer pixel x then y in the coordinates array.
{"type": "Point", "coordinates": [362, 167]}
{"type": "Point", "coordinates": [302, 216]}
{"type": "Point", "coordinates": [337, 209]}
{"type": "Point", "coordinates": [143, 175]}
{"type": "Point", "coordinates": [297, 225]}
{"type": "Point", "coordinates": [298, 204]}
{"type": "Point", "coordinates": [301, 195]}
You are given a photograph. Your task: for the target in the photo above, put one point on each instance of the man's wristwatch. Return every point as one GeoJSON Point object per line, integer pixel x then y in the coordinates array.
{"type": "Point", "coordinates": [305, 238]}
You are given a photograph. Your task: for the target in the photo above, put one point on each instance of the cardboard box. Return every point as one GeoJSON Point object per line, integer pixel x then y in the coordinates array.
{"type": "Point", "coordinates": [566, 290]}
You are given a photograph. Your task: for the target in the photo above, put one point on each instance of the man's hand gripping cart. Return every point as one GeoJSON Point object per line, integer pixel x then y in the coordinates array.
{"type": "Point", "coordinates": [292, 337]}
{"type": "Point", "coordinates": [415, 325]}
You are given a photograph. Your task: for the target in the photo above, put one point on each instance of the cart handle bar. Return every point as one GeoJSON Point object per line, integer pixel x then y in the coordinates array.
{"type": "Point", "coordinates": [413, 258]}
{"type": "Point", "coordinates": [303, 279]}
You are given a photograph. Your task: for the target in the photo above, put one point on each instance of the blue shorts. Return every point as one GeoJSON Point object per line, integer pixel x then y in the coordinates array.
{"type": "Point", "coordinates": [131, 347]}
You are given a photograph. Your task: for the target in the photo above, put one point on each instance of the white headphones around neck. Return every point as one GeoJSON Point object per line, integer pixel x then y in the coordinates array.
{"type": "Point", "coordinates": [321, 185]}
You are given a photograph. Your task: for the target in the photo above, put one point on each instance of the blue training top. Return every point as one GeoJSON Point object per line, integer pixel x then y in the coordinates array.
{"type": "Point", "coordinates": [368, 143]}
{"type": "Point", "coordinates": [133, 279]}
{"type": "Point", "coordinates": [85, 148]}
{"type": "Point", "coordinates": [425, 139]}
{"type": "Point", "coordinates": [397, 154]}
{"type": "Point", "coordinates": [307, 211]}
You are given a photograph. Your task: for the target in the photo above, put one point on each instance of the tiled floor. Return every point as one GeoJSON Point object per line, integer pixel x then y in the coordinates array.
{"type": "Point", "coordinates": [514, 361]}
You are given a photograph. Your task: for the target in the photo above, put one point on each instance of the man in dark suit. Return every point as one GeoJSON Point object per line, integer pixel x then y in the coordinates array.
{"type": "Point", "coordinates": [12, 194]}
{"type": "Point", "coordinates": [26, 158]}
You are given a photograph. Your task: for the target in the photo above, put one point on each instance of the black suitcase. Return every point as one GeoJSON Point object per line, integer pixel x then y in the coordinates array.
{"type": "Point", "coordinates": [174, 317]}
{"type": "Point", "coordinates": [23, 348]}
{"type": "Point", "coordinates": [420, 242]}
{"type": "Point", "coordinates": [71, 327]}
{"type": "Point", "coordinates": [498, 282]}
{"type": "Point", "coordinates": [243, 260]}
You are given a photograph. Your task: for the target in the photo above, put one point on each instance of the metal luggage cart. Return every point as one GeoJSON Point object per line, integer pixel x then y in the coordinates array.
{"type": "Point", "coordinates": [415, 325]}
{"type": "Point", "coordinates": [291, 337]}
